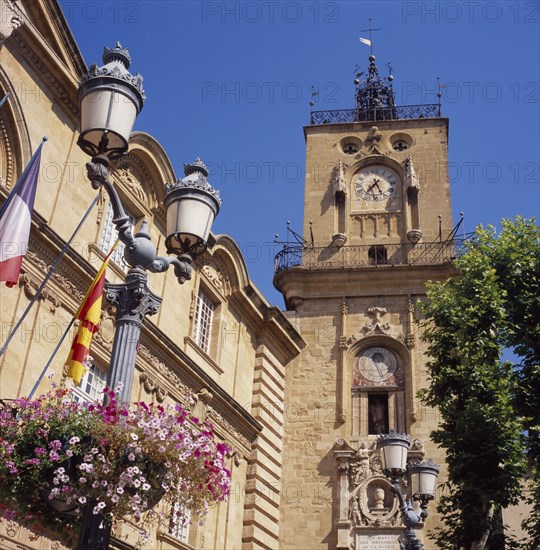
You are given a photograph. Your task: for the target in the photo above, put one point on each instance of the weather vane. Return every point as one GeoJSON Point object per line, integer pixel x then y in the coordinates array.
{"type": "Point", "coordinates": [369, 41]}
{"type": "Point", "coordinates": [314, 94]}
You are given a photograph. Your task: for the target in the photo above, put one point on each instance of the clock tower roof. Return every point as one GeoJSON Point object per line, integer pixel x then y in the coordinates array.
{"type": "Point", "coordinates": [374, 98]}
{"type": "Point", "coordinates": [375, 92]}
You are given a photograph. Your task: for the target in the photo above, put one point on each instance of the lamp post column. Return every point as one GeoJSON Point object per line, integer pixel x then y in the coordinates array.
{"type": "Point", "coordinates": [394, 448]}
{"type": "Point", "coordinates": [134, 300]}
{"type": "Point", "coordinates": [111, 98]}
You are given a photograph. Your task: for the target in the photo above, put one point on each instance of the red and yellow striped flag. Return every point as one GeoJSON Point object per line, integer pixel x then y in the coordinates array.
{"type": "Point", "coordinates": [88, 314]}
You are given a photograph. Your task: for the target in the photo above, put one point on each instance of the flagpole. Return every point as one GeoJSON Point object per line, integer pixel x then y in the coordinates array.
{"type": "Point", "coordinates": [4, 99]}
{"type": "Point", "coordinates": [47, 277]}
{"type": "Point", "coordinates": [21, 177]}
{"type": "Point", "coordinates": [36, 385]}
{"type": "Point", "coordinates": [73, 319]}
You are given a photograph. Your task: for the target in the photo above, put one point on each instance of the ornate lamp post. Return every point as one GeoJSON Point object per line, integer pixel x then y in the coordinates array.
{"type": "Point", "coordinates": [393, 448]}
{"type": "Point", "coordinates": [111, 98]}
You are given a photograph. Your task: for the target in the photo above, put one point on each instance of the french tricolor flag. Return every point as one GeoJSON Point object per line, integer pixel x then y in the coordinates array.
{"type": "Point", "coordinates": [15, 221]}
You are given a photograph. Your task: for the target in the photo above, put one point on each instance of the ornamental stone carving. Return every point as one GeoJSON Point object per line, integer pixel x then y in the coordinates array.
{"type": "Point", "coordinates": [203, 399]}
{"type": "Point", "coordinates": [214, 276]}
{"type": "Point", "coordinates": [338, 182]}
{"type": "Point", "coordinates": [412, 181]}
{"type": "Point", "coordinates": [9, 20]}
{"type": "Point", "coordinates": [368, 498]}
{"type": "Point", "coordinates": [105, 333]}
{"type": "Point", "coordinates": [125, 174]}
{"type": "Point", "coordinates": [12, 528]}
{"type": "Point", "coordinates": [152, 387]}
{"type": "Point", "coordinates": [373, 139]}
{"type": "Point", "coordinates": [31, 284]}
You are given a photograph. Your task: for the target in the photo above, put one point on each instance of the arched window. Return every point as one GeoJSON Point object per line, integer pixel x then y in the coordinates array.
{"type": "Point", "coordinates": [378, 392]}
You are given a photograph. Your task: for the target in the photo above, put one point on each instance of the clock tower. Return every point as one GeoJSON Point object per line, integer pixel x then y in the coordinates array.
{"type": "Point", "coordinates": [377, 226]}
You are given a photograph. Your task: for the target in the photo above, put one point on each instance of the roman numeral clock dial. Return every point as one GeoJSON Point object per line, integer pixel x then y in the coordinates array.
{"type": "Point", "coordinates": [375, 184]}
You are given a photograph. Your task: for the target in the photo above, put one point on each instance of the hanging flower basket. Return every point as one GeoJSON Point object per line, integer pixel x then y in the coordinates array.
{"type": "Point", "coordinates": [57, 455]}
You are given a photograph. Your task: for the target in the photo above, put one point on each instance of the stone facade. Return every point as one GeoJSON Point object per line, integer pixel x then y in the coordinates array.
{"type": "Point", "coordinates": [376, 199]}
{"type": "Point", "coordinates": [238, 381]}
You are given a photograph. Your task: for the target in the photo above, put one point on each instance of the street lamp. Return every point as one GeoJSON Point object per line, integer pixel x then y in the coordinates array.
{"type": "Point", "coordinates": [110, 99]}
{"type": "Point", "coordinates": [393, 448]}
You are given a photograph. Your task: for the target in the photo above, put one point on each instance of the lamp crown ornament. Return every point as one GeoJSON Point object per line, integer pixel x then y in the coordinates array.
{"type": "Point", "coordinates": [424, 464]}
{"type": "Point", "coordinates": [196, 166]}
{"type": "Point", "coordinates": [116, 62]}
{"type": "Point", "coordinates": [118, 54]}
{"type": "Point", "coordinates": [393, 435]}
{"type": "Point", "coordinates": [196, 174]}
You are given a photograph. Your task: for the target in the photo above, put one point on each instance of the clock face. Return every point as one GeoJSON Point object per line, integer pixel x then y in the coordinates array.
{"type": "Point", "coordinates": [377, 365]}
{"type": "Point", "coordinates": [375, 183]}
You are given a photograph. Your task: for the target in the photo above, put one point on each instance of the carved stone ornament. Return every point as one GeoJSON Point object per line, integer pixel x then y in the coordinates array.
{"type": "Point", "coordinates": [236, 458]}
{"type": "Point", "coordinates": [31, 284]}
{"type": "Point", "coordinates": [9, 20]}
{"type": "Point", "coordinates": [367, 498]}
{"type": "Point", "coordinates": [184, 395]}
{"type": "Point", "coordinates": [412, 181]}
{"type": "Point", "coordinates": [105, 333]}
{"type": "Point", "coordinates": [215, 277]}
{"type": "Point", "coordinates": [6, 156]}
{"type": "Point", "coordinates": [125, 174]}
{"type": "Point", "coordinates": [152, 387]}
{"type": "Point", "coordinates": [372, 503]}
{"type": "Point", "coordinates": [202, 400]}
{"type": "Point", "coordinates": [338, 182]}
{"type": "Point", "coordinates": [149, 384]}
{"type": "Point", "coordinates": [373, 139]}
{"type": "Point", "coordinates": [213, 415]}
{"type": "Point", "coordinates": [12, 527]}
{"type": "Point", "coordinates": [377, 326]}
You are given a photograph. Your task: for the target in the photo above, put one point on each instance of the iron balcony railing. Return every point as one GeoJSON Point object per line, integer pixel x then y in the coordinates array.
{"type": "Point", "coordinates": [375, 114]}
{"type": "Point", "coordinates": [367, 256]}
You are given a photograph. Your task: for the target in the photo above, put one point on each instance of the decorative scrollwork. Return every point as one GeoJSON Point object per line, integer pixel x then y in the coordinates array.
{"type": "Point", "coordinates": [434, 253]}
{"type": "Point", "coordinates": [379, 113]}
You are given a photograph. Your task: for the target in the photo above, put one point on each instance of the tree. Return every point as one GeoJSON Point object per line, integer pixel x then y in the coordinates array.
{"type": "Point", "coordinates": [489, 406]}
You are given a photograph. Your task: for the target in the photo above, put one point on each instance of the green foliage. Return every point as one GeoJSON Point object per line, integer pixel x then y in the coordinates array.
{"type": "Point", "coordinates": [490, 408]}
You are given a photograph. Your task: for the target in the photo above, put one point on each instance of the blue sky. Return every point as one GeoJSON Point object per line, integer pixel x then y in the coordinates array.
{"type": "Point", "coordinates": [231, 81]}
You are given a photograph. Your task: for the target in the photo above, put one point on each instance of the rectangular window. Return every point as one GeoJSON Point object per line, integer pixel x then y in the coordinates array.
{"type": "Point", "coordinates": [179, 522]}
{"type": "Point", "coordinates": [377, 413]}
{"type": "Point", "coordinates": [204, 315]}
{"type": "Point", "coordinates": [92, 384]}
{"type": "Point", "coordinates": [109, 236]}
{"type": "Point", "coordinates": [377, 255]}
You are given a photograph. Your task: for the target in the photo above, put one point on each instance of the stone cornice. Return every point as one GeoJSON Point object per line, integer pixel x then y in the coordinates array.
{"type": "Point", "coordinates": [272, 328]}
{"type": "Point", "coordinates": [301, 283]}
{"type": "Point", "coordinates": [64, 35]}
{"type": "Point", "coordinates": [53, 73]}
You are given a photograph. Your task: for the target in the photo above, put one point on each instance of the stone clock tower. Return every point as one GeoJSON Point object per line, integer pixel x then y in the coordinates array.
{"type": "Point", "coordinates": [378, 225]}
